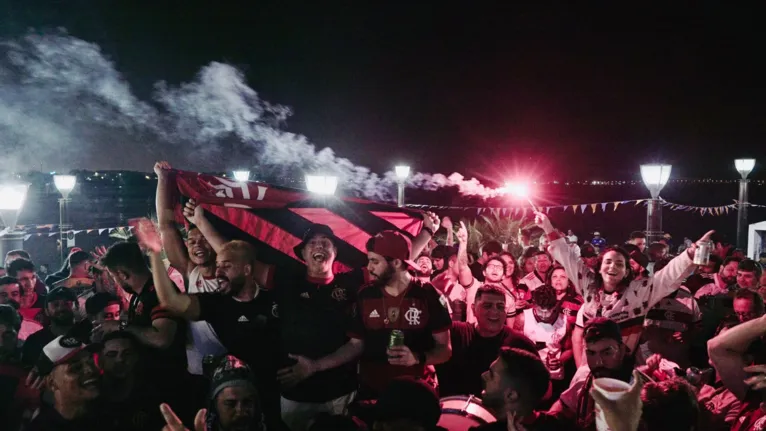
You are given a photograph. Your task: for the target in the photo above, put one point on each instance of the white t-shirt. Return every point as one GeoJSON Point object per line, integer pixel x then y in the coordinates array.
{"type": "Point", "coordinates": [548, 333]}
{"type": "Point", "coordinates": [470, 296]}
{"type": "Point", "coordinates": [203, 339]}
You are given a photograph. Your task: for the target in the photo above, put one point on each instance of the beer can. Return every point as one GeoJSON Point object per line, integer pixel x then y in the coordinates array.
{"type": "Point", "coordinates": [396, 338]}
{"type": "Point", "coordinates": [702, 253]}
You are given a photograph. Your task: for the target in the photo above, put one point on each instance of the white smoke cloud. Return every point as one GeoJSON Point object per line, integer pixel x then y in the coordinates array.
{"type": "Point", "coordinates": [63, 106]}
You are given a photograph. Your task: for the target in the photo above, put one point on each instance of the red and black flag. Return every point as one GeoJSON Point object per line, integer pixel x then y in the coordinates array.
{"type": "Point", "coordinates": [275, 218]}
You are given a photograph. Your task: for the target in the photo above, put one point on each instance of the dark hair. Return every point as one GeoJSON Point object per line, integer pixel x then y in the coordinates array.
{"type": "Point", "coordinates": [662, 263]}
{"type": "Point", "coordinates": [526, 373]}
{"type": "Point", "coordinates": [5, 280]}
{"type": "Point", "coordinates": [637, 234]}
{"type": "Point", "coordinates": [492, 247]}
{"type": "Point", "coordinates": [599, 281]}
{"type": "Point", "coordinates": [752, 296]}
{"type": "Point", "coordinates": [496, 258]}
{"type": "Point", "coordinates": [715, 260]}
{"type": "Point", "coordinates": [77, 258]}
{"type": "Point", "coordinates": [489, 288]}
{"type": "Point", "coordinates": [544, 297]}
{"type": "Point", "coordinates": [120, 335]}
{"type": "Point", "coordinates": [749, 265]}
{"type": "Point", "coordinates": [22, 253]}
{"type": "Point", "coordinates": [20, 264]}
{"type": "Point", "coordinates": [656, 250]}
{"type": "Point", "coordinates": [125, 255]}
{"type": "Point", "coordinates": [571, 290]}
{"type": "Point", "coordinates": [516, 274]}
{"type": "Point", "coordinates": [731, 259]}
{"type": "Point", "coordinates": [670, 405]}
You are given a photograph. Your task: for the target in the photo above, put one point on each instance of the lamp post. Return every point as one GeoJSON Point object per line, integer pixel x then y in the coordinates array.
{"type": "Point", "coordinates": [744, 167]}
{"type": "Point", "coordinates": [242, 176]}
{"type": "Point", "coordinates": [322, 184]}
{"type": "Point", "coordinates": [12, 197]}
{"type": "Point", "coordinates": [655, 177]}
{"type": "Point", "coordinates": [402, 172]}
{"type": "Point", "coordinates": [65, 184]}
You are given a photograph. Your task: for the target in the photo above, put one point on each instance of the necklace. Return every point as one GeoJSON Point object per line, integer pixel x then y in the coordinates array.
{"type": "Point", "coordinates": [392, 314]}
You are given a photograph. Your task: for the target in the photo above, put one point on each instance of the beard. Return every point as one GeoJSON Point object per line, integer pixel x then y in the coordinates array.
{"type": "Point", "coordinates": [624, 373]}
{"type": "Point", "coordinates": [63, 318]}
{"type": "Point", "coordinates": [383, 279]}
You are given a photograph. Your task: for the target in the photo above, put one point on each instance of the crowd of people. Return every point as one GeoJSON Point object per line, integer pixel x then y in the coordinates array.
{"type": "Point", "coordinates": [190, 330]}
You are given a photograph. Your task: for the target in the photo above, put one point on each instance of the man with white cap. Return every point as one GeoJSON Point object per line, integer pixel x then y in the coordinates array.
{"type": "Point", "coordinates": [70, 374]}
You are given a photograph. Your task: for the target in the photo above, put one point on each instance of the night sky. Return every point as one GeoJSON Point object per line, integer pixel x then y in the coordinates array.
{"type": "Point", "coordinates": [556, 90]}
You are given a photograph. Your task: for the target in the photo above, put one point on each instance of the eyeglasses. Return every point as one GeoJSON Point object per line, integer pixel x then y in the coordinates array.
{"type": "Point", "coordinates": [494, 265]}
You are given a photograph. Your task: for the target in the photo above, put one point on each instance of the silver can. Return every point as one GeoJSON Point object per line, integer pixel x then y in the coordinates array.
{"type": "Point", "coordinates": [702, 253]}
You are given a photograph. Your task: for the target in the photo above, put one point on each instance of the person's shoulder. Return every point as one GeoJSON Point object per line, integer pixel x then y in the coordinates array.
{"type": "Point", "coordinates": [369, 290]}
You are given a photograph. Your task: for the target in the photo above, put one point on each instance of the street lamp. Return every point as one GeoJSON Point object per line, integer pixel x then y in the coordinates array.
{"type": "Point", "coordinates": [65, 184]}
{"type": "Point", "coordinates": [242, 176]}
{"type": "Point", "coordinates": [402, 172]}
{"type": "Point", "coordinates": [744, 167]}
{"type": "Point", "coordinates": [655, 177]}
{"type": "Point", "coordinates": [12, 197]}
{"type": "Point", "coordinates": [321, 184]}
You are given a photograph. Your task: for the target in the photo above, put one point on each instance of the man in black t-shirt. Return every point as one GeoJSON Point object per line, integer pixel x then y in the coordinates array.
{"type": "Point", "coordinates": [151, 323]}
{"type": "Point", "coordinates": [59, 306]}
{"type": "Point", "coordinates": [475, 346]}
{"type": "Point", "coordinates": [244, 318]}
{"type": "Point", "coordinates": [396, 301]}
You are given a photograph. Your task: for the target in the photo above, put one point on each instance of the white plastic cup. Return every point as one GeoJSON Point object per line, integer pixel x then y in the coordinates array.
{"type": "Point", "coordinates": [611, 389]}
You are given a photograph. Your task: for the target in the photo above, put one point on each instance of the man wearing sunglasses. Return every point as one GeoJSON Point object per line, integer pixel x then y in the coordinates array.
{"type": "Point", "coordinates": [606, 356]}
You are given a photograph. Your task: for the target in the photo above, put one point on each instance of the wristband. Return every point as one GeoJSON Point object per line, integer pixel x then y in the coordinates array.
{"type": "Point", "coordinates": [429, 230]}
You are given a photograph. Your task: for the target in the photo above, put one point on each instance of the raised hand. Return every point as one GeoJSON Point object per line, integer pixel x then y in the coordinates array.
{"type": "Point", "coordinates": [543, 222]}
{"type": "Point", "coordinates": [147, 234]}
{"type": "Point", "coordinates": [705, 238]}
{"type": "Point", "coordinates": [446, 223]}
{"type": "Point", "coordinates": [193, 211]}
{"type": "Point", "coordinates": [462, 233]}
{"type": "Point", "coordinates": [431, 221]}
{"type": "Point", "coordinates": [161, 168]}
{"type": "Point", "coordinates": [172, 423]}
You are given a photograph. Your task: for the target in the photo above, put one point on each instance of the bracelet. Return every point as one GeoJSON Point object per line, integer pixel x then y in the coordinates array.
{"type": "Point", "coordinates": [429, 230]}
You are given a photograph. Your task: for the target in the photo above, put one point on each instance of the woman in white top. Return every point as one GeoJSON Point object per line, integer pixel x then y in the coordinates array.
{"type": "Point", "coordinates": [612, 292]}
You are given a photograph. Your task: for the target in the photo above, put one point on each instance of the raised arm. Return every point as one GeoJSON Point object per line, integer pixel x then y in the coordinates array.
{"type": "Point", "coordinates": [186, 306]}
{"type": "Point", "coordinates": [171, 238]}
{"type": "Point", "coordinates": [447, 224]}
{"type": "Point", "coordinates": [196, 215]}
{"type": "Point", "coordinates": [465, 276]}
{"type": "Point", "coordinates": [669, 279]}
{"type": "Point", "coordinates": [430, 225]}
{"type": "Point", "coordinates": [727, 352]}
{"type": "Point", "coordinates": [563, 254]}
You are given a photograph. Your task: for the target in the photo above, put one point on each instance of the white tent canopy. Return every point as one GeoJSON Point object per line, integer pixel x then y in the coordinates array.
{"type": "Point", "coordinates": [756, 239]}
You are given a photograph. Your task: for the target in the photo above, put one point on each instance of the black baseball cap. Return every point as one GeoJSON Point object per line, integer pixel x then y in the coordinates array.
{"type": "Point", "coordinates": [601, 328]}
{"type": "Point", "coordinates": [587, 250]}
{"type": "Point", "coordinates": [60, 293]}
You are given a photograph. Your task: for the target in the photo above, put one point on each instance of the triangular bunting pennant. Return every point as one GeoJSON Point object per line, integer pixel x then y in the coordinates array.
{"type": "Point", "coordinates": [39, 234]}
{"type": "Point", "coordinates": [582, 208]}
{"type": "Point", "coordinates": [603, 206]}
{"type": "Point", "coordinates": [727, 210]}
{"type": "Point", "coordinates": [100, 231]}
{"type": "Point", "coordinates": [89, 230]}
{"type": "Point", "coordinates": [639, 201]}
{"type": "Point", "coordinates": [52, 234]}
{"type": "Point", "coordinates": [76, 231]}
{"type": "Point", "coordinates": [616, 204]}
{"type": "Point", "coordinates": [574, 209]}
{"type": "Point", "coordinates": [26, 237]}
{"type": "Point", "coordinates": [111, 229]}
{"type": "Point", "coordinates": [593, 207]}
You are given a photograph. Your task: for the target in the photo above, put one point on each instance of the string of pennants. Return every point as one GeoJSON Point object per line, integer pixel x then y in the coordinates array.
{"type": "Point", "coordinates": [589, 208]}
{"type": "Point", "coordinates": [57, 233]}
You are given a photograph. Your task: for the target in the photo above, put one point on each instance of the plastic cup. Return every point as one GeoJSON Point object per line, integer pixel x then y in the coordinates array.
{"type": "Point", "coordinates": [611, 389]}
